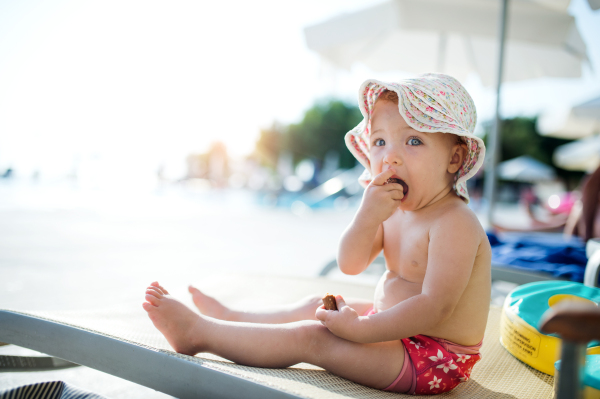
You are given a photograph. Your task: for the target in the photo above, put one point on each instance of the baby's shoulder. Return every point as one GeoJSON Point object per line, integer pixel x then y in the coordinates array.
{"type": "Point", "coordinates": [458, 218]}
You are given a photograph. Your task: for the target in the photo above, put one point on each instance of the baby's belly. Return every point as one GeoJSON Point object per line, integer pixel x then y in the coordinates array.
{"type": "Point", "coordinates": [471, 310]}
{"type": "Point", "coordinates": [393, 289]}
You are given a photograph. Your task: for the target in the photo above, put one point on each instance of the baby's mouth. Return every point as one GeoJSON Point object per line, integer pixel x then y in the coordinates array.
{"type": "Point", "coordinates": [399, 181]}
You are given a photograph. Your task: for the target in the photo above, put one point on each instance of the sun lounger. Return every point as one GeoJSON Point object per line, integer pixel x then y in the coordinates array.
{"type": "Point", "coordinates": [124, 343]}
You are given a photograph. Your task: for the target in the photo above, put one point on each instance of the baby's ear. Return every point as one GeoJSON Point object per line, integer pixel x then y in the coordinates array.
{"type": "Point", "coordinates": [459, 152]}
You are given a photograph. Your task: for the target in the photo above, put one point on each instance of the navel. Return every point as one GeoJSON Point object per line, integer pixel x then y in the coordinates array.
{"type": "Point", "coordinates": [414, 263]}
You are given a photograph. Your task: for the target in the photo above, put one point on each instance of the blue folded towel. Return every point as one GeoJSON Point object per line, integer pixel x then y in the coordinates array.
{"type": "Point", "coordinates": [546, 252]}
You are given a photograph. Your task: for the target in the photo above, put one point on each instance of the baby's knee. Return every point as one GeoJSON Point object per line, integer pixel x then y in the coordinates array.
{"type": "Point", "coordinates": [312, 334]}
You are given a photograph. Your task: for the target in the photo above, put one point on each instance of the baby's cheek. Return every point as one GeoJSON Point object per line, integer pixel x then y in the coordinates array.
{"type": "Point", "coordinates": [375, 166]}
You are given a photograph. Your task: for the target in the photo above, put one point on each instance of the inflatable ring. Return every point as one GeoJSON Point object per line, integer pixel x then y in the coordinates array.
{"type": "Point", "coordinates": [522, 312]}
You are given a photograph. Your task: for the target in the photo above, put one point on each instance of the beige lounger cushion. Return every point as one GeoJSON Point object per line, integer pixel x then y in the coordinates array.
{"type": "Point", "coordinates": [498, 375]}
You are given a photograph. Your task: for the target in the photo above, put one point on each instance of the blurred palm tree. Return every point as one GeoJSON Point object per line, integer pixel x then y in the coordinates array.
{"type": "Point", "coordinates": [320, 132]}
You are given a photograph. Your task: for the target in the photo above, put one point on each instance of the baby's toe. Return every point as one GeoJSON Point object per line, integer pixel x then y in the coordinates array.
{"type": "Point", "coordinates": [154, 291]}
{"type": "Point", "coordinates": [148, 307]}
{"type": "Point", "coordinates": [163, 290]}
{"type": "Point", "coordinates": [159, 289]}
{"type": "Point", "coordinates": [152, 299]}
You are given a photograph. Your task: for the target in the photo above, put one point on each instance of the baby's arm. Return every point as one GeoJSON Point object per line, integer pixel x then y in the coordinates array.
{"type": "Point", "coordinates": [452, 250]}
{"type": "Point", "coordinates": [363, 239]}
{"type": "Point", "coordinates": [359, 246]}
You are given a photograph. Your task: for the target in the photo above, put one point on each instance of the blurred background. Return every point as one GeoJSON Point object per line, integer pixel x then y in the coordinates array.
{"type": "Point", "coordinates": [144, 140]}
{"type": "Point", "coordinates": [170, 141]}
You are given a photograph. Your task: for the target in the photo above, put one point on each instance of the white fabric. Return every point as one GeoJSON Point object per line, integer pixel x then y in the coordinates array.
{"type": "Point", "coordinates": [454, 37]}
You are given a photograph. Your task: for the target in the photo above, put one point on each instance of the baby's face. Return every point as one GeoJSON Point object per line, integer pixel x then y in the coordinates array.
{"type": "Point", "coordinates": [426, 162]}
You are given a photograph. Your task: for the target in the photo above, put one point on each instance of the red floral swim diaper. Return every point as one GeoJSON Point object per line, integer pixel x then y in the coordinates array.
{"type": "Point", "coordinates": [433, 365]}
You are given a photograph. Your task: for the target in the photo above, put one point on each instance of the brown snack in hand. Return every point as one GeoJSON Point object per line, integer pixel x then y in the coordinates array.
{"type": "Point", "coordinates": [329, 302]}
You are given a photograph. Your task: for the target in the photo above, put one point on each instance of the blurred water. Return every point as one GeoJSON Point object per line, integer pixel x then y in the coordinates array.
{"type": "Point", "coordinates": [89, 247]}
{"type": "Point", "coordinates": [66, 247]}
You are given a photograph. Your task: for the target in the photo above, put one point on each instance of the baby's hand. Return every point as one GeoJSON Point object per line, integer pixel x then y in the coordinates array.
{"type": "Point", "coordinates": [381, 200]}
{"type": "Point", "coordinates": [342, 322]}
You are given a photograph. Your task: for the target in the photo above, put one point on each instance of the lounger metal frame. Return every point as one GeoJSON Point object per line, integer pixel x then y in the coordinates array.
{"type": "Point", "coordinates": [135, 363]}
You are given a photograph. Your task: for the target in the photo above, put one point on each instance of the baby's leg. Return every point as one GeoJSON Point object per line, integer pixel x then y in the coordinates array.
{"type": "Point", "coordinates": [274, 346]}
{"type": "Point", "coordinates": [303, 309]}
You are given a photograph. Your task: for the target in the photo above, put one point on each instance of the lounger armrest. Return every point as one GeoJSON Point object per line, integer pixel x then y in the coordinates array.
{"type": "Point", "coordinates": [577, 324]}
{"type": "Point", "coordinates": [572, 321]}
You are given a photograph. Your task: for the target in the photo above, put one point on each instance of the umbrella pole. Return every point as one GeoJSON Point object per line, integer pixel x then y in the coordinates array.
{"type": "Point", "coordinates": [489, 188]}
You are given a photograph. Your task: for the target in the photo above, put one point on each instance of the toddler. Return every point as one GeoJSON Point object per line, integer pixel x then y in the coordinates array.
{"type": "Point", "coordinates": [423, 330]}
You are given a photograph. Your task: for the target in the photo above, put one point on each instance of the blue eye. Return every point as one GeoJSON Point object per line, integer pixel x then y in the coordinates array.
{"type": "Point", "coordinates": [414, 141]}
{"type": "Point", "coordinates": [379, 142]}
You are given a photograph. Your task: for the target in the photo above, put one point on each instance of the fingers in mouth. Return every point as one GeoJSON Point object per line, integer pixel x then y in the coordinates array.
{"type": "Point", "coordinates": [399, 181]}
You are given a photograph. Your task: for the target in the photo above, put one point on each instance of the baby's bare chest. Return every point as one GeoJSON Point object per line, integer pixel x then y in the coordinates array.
{"type": "Point", "coordinates": [405, 249]}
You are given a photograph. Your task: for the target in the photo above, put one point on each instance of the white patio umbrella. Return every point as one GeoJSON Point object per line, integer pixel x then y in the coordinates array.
{"type": "Point", "coordinates": [577, 122]}
{"type": "Point", "coordinates": [582, 155]}
{"type": "Point", "coordinates": [457, 37]}
{"type": "Point", "coordinates": [581, 121]}
{"type": "Point", "coordinates": [454, 37]}
{"type": "Point", "coordinates": [525, 169]}
{"type": "Point", "coordinates": [588, 109]}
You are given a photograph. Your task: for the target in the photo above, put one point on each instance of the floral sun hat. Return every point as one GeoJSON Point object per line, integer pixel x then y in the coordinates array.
{"type": "Point", "coordinates": [433, 103]}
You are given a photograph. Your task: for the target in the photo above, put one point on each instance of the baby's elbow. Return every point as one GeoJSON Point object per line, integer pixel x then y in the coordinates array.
{"type": "Point", "coordinates": [348, 267]}
{"type": "Point", "coordinates": [444, 312]}
{"type": "Point", "coordinates": [439, 311]}
{"type": "Point", "coordinates": [349, 270]}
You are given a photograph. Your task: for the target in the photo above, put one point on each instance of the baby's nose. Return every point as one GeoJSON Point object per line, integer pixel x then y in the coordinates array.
{"type": "Point", "coordinates": [392, 158]}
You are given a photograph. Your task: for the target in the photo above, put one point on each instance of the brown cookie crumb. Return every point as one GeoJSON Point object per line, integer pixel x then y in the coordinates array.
{"type": "Point", "coordinates": [329, 302]}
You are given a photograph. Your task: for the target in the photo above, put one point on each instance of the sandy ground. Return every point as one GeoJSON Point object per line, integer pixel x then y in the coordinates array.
{"type": "Point", "coordinates": [71, 249]}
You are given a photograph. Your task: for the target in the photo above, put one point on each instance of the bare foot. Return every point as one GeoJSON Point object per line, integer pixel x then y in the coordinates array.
{"type": "Point", "coordinates": [209, 306]}
{"type": "Point", "coordinates": [179, 324]}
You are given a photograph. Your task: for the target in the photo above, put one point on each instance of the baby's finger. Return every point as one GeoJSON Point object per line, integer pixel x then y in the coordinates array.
{"type": "Point", "coordinates": [340, 302]}
{"type": "Point", "coordinates": [393, 186]}
{"type": "Point", "coordinates": [382, 178]}
{"type": "Point", "coordinates": [321, 314]}
{"type": "Point", "coordinates": [397, 194]}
